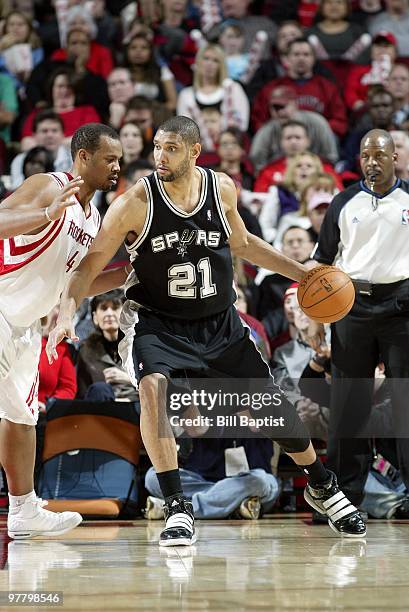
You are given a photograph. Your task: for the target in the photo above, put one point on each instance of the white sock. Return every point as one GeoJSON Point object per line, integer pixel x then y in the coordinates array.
{"type": "Point", "coordinates": [18, 500]}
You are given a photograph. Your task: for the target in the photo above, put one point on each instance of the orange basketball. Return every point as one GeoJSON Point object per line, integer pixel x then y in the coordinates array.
{"type": "Point", "coordinates": [326, 294]}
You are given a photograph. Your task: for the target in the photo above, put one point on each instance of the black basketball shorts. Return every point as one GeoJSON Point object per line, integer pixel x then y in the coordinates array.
{"type": "Point", "coordinates": [217, 346]}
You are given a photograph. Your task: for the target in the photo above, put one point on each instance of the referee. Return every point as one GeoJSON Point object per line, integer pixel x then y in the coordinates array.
{"type": "Point", "coordinates": [366, 233]}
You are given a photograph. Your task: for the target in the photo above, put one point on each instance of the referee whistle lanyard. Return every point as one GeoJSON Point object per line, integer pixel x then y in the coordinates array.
{"type": "Point", "coordinates": [374, 199]}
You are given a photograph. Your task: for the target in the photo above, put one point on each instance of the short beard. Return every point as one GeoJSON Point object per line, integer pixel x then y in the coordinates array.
{"type": "Point", "coordinates": [179, 172]}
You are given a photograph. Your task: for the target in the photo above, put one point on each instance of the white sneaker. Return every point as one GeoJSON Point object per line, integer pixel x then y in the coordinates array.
{"type": "Point", "coordinates": [30, 520]}
{"type": "Point", "coordinates": [154, 508]}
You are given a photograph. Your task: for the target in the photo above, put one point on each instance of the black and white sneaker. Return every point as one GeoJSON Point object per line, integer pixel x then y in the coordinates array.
{"type": "Point", "coordinates": [343, 517]}
{"type": "Point", "coordinates": [179, 524]}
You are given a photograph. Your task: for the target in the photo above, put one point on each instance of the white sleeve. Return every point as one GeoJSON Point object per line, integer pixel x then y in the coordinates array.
{"type": "Point", "coordinates": [16, 171]}
{"type": "Point", "coordinates": [241, 106]}
{"type": "Point", "coordinates": [166, 74]}
{"type": "Point", "coordinates": [185, 101]}
{"type": "Point", "coordinates": [268, 217]}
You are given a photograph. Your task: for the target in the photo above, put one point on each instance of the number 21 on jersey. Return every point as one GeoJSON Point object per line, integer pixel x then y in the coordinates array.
{"type": "Point", "coordinates": [182, 280]}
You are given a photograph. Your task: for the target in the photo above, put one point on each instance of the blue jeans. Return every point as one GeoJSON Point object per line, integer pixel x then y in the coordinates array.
{"type": "Point", "coordinates": [382, 495]}
{"type": "Point", "coordinates": [212, 500]}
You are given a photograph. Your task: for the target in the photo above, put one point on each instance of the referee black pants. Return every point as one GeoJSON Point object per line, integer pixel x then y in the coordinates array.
{"type": "Point", "coordinates": [377, 329]}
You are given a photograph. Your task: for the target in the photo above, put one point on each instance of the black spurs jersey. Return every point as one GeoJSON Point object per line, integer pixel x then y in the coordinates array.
{"type": "Point", "coordinates": [182, 261]}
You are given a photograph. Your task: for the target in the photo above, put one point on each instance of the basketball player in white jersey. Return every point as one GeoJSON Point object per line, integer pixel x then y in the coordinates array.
{"type": "Point", "coordinates": [46, 228]}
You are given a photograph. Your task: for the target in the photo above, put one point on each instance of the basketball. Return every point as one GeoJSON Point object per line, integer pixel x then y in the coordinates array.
{"type": "Point", "coordinates": [326, 294]}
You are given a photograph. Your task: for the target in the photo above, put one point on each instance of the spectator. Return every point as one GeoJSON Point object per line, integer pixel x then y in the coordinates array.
{"type": "Point", "coordinates": [398, 86]}
{"type": "Point", "coordinates": [257, 331]}
{"type": "Point", "coordinates": [394, 19]}
{"type": "Point", "coordinates": [59, 379]}
{"type": "Point", "coordinates": [100, 373]}
{"type": "Point", "coordinates": [132, 143]}
{"type": "Point", "coordinates": [232, 42]}
{"type": "Point", "coordinates": [283, 107]}
{"type": "Point", "coordinates": [233, 160]}
{"type": "Point", "coordinates": [237, 10]}
{"type": "Point", "coordinates": [140, 110]}
{"type": "Point", "coordinates": [107, 26]}
{"type": "Point", "coordinates": [301, 168]}
{"type": "Point", "coordinates": [211, 87]}
{"type": "Point", "coordinates": [250, 491]}
{"type": "Point", "coordinates": [8, 106]}
{"type": "Point", "coordinates": [150, 79]}
{"type": "Point", "coordinates": [360, 78]}
{"type": "Point", "coordinates": [48, 133]}
{"type": "Point", "coordinates": [131, 139]}
{"type": "Point", "coordinates": [269, 70]}
{"type": "Point", "coordinates": [310, 216]}
{"type": "Point", "coordinates": [15, 61]}
{"type": "Point", "coordinates": [291, 358]}
{"type": "Point", "coordinates": [120, 91]}
{"type": "Point", "coordinates": [37, 160]}
{"type": "Point", "coordinates": [91, 88]}
{"type": "Point", "coordinates": [136, 170]}
{"type": "Point", "coordinates": [334, 36]}
{"type": "Point", "coordinates": [293, 141]}
{"type": "Point", "coordinates": [379, 115]}
{"type": "Point", "coordinates": [314, 92]}
{"type": "Point", "coordinates": [296, 244]}
{"type": "Point", "coordinates": [401, 142]}
{"type": "Point", "coordinates": [61, 98]}
{"type": "Point", "coordinates": [174, 41]}
{"type": "Point", "coordinates": [89, 54]}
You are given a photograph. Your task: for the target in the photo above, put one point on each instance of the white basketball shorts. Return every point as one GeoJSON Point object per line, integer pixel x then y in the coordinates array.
{"type": "Point", "coordinates": [20, 350]}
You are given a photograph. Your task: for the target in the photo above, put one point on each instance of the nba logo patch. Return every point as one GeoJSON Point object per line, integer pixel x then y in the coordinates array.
{"type": "Point", "coordinates": [140, 366]}
{"type": "Point", "coordinates": [209, 215]}
{"type": "Point", "coordinates": [405, 217]}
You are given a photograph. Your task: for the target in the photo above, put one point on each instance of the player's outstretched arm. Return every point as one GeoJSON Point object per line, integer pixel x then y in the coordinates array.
{"type": "Point", "coordinates": [34, 204]}
{"type": "Point", "coordinates": [250, 247]}
{"type": "Point", "coordinates": [126, 214]}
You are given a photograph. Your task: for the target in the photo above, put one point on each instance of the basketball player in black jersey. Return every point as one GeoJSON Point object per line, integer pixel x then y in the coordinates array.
{"type": "Point", "coordinates": [180, 225]}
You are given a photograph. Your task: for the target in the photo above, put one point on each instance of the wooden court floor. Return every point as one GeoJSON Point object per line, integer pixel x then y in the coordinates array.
{"type": "Point", "coordinates": [280, 563]}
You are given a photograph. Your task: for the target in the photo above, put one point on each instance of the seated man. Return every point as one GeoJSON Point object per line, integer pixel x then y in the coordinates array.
{"type": "Point", "coordinates": [223, 477]}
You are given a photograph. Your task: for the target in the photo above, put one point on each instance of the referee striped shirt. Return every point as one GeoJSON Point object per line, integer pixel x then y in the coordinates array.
{"type": "Point", "coordinates": [366, 235]}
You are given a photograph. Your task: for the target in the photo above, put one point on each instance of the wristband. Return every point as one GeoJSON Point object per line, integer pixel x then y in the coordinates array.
{"type": "Point", "coordinates": [47, 215]}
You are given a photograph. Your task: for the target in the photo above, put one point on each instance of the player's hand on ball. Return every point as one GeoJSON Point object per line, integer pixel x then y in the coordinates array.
{"type": "Point", "coordinates": [58, 334]}
{"type": "Point", "coordinates": [64, 199]}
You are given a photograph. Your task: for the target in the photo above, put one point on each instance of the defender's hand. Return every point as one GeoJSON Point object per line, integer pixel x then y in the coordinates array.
{"type": "Point", "coordinates": [64, 199]}
{"type": "Point", "coordinates": [58, 334]}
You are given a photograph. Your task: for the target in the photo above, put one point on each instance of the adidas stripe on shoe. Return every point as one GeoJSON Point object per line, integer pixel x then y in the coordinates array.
{"type": "Point", "coordinates": [179, 524]}
{"type": "Point", "coordinates": [343, 517]}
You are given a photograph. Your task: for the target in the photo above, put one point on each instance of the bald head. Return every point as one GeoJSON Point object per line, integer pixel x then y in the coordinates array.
{"type": "Point", "coordinates": [378, 159]}
{"type": "Point", "coordinates": [378, 138]}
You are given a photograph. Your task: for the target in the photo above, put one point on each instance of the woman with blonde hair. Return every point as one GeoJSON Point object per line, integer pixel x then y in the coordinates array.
{"type": "Point", "coordinates": [211, 87]}
{"type": "Point", "coordinates": [315, 198]}
{"type": "Point", "coordinates": [285, 198]}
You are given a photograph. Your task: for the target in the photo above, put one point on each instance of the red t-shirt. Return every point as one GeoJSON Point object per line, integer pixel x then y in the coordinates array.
{"type": "Point", "coordinates": [273, 174]}
{"type": "Point", "coordinates": [58, 379]}
{"type": "Point", "coordinates": [72, 120]}
{"type": "Point", "coordinates": [100, 59]}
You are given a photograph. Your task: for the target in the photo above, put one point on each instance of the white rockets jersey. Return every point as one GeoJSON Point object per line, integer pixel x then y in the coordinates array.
{"type": "Point", "coordinates": [35, 268]}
